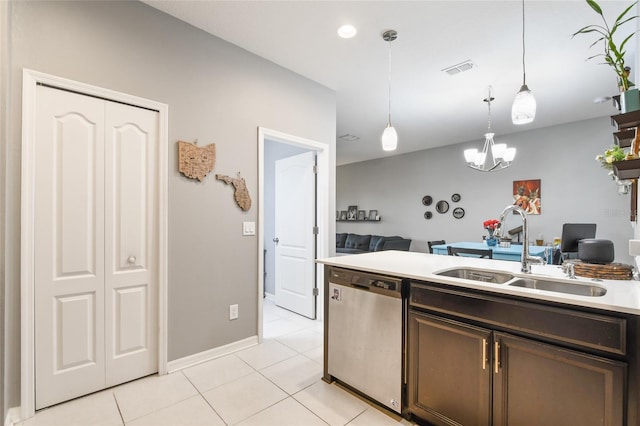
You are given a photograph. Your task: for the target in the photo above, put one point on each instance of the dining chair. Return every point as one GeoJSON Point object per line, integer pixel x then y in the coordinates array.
{"type": "Point", "coordinates": [434, 243]}
{"type": "Point", "coordinates": [479, 253]}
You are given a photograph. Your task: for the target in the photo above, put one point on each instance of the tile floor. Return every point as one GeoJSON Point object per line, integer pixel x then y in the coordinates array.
{"type": "Point", "coordinates": [275, 383]}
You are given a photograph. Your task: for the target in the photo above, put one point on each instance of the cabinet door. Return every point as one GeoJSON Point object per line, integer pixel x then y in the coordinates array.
{"type": "Point", "coordinates": [449, 371]}
{"type": "Point", "coordinates": [540, 384]}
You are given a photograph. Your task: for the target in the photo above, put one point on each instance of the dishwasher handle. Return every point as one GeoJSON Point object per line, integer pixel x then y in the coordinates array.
{"type": "Point", "coordinates": [360, 286]}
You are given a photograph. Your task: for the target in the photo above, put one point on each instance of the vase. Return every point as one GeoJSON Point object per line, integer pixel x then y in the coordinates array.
{"type": "Point", "coordinates": [492, 241]}
{"type": "Point", "coordinates": [630, 100]}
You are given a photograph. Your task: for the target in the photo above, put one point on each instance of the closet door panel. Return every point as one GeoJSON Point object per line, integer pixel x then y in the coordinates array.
{"type": "Point", "coordinates": [69, 241]}
{"type": "Point", "coordinates": [131, 249]}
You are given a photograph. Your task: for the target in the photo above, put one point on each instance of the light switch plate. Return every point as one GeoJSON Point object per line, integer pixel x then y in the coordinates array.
{"type": "Point", "coordinates": [634, 247]}
{"type": "Point", "coordinates": [248, 228]}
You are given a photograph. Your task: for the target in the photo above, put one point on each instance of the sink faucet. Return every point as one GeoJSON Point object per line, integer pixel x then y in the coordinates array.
{"type": "Point", "coordinates": [526, 259]}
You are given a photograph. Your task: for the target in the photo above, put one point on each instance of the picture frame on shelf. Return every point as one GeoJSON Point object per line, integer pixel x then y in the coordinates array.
{"type": "Point", "coordinates": [373, 214]}
{"type": "Point", "coordinates": [343, 215]}
{"type": "Point", "coordinates": [361, 215]}
{"type": "Point", "coordinates": [352, 213]}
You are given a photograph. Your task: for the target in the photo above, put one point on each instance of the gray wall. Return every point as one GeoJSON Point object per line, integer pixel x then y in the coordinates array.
{"type": "Point", "coordinates": [217, 93]}
{"type": "Point", "coordinates": [273, 151]}
{"type": "Point", "coordinates": [574, 188]}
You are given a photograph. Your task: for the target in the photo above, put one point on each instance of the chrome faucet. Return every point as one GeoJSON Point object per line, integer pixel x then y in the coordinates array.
{"type": "Point", "coordinates": [526, 259]}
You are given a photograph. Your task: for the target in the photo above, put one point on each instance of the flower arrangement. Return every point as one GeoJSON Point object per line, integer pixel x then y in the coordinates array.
{"type": "Point", "coordinates": [490, 225]}
{"type": "Point", "coordinates": [615, 153]}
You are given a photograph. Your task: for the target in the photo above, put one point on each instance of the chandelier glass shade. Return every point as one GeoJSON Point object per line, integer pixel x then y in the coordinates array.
{"type": "Point", "coordinates": [389, 138]}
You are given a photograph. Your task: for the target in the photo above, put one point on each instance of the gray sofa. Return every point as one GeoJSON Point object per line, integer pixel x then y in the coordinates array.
{"type": "Point", "coordinates": [353, 243]}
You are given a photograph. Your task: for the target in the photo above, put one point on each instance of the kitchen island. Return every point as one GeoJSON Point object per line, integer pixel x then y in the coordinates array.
{"type": "Point", "coordinates": [490, 353]}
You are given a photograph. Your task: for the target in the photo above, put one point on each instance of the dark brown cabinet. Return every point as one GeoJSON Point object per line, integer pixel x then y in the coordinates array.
{"type": "Point", "coordinates": [539, 384]}
{"type": "Point", "coordinates": [466, 365]}
{"type": "Point", "coordinates": [450, 364]}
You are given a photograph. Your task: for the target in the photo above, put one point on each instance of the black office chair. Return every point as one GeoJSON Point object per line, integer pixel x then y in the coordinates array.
{"type": "Point", "coordinates": [479, 253]}
{"type": "Point", "coordinates": [435, 243]}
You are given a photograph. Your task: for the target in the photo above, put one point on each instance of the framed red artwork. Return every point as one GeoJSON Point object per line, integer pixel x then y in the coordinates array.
{"type": "Point", "coordinates": [526, 194]}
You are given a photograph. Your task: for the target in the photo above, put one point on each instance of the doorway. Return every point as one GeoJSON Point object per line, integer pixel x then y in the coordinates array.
{"type": "Point", "coordinates": [102, 239]}
{"type": "Point", "coordinates": [270, 141]}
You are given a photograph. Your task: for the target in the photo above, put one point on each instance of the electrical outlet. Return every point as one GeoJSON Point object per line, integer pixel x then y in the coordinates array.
{"type": "Point", "coordinates": [233, 312]}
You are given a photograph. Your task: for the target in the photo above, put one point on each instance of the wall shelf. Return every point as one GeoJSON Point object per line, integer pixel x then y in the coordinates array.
{"type": "Point", "coordinates": [627, 169]}
{"type": "Point", "coordinates": [623, 138]}
{"type": "Point", "coordinates": [626, 120]}
{"type": "Point", "coordinates": [627, 136]}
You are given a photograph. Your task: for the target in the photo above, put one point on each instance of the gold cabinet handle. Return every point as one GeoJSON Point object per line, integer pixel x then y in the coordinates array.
{"type": "Point", "coordinates": [484, 354]}
{"type": "Point", "coordinates": [496, 358]}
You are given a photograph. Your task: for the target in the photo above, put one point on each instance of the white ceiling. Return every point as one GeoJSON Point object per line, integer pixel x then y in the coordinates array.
{"type": "Point", "coordinates": [429, 107]}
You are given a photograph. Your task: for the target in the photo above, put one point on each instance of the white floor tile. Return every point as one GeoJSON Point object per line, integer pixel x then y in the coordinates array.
{"type": "Point", "coordinates": [216, 372]}
{"type": "Point", "coordinates": [285, 413]}
{"type": "Point", "coordinates": [279, 327]}
{"type": "Point", "coordinates": [269, 315]}
{"type": "Point", "coordinates": [240, 399]}
{"type": "Point", "coordinates": [144, 396]}
{"type": "Point", "coordinates": [191, 412]}
{"type": "Point", "coordinates": [374, 417]}
{"type": "Point", "coordinates": [316, 355]}
{"type": "Point", "coordinates": [301, 341]}
{"type": "Point", "coordinates": [294, 374]}
{"type": "Point", "coordinates": [96, 409]}
{"type": "Point", "coordinates": [267, 353]}
{"type": "Point", "coordinates": [331, 403]}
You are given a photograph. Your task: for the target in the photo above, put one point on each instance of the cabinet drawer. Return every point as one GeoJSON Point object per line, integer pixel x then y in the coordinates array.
{"type": "Point", "coordinates": [599, 332]}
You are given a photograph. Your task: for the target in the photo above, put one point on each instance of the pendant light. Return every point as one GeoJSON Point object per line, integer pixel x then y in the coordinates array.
{"type": "Point", "coordinates": [523, 110]}
{"type": "Point", "coordinates": [501, 155]}
{"type": "Point", "coordinates": [389, 136]}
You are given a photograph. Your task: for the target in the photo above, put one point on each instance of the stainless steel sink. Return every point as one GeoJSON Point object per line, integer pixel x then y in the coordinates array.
{"type": "Point", "coordinates": [560, 287]}
{"type": "Point", "coordinates": [477, 275]}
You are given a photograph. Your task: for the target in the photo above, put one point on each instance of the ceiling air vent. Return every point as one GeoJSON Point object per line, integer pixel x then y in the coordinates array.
{"type": "Point", "coordinates": [458, 68]}
{"type": "Point", "coordinates": [349, 138]}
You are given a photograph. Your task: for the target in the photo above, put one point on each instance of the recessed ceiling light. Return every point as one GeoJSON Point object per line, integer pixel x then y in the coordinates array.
{"type": "Point", "coordinates": [601, 99]}
{"type": "Point", "coordinates": [348, 137]}
{"type": "Point", "coordinates": [347, 31]}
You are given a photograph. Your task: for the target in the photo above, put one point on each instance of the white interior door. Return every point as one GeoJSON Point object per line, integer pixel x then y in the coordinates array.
{"type": "Point", "coordinates": [130, 246]}
{"type": "Point", "coordinates": [295, 217]}
{"type": "Point", "coordinates": [69, 246]}
{"type": "Point", "coordinates": [95, 189]}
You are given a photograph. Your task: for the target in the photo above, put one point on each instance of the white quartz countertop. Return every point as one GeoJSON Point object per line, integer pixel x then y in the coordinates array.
{"type": "Point", "coordinates": [621, 296]}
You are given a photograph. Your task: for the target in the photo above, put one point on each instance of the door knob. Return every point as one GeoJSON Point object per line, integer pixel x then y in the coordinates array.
{"type": "Point", "coordinates": [131, 260]}
{"type": "Point", "coordinates": [276, 240]}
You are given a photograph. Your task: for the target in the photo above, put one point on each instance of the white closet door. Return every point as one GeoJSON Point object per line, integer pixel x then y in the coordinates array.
{"type": "Point", "coordinates": [96, 252]}
{"type": "Point", "coordinates": [131, 249]}
{"type": "Point", "coordinates": [69, 246]}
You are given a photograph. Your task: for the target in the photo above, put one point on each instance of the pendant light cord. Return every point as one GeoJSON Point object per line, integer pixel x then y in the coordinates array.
{"type": "Point", "coordinates": [389, 121]}
{"type": "Point", "coordinates": [489, 115]}
{"type": "Point", "coordinates": [524, 72]}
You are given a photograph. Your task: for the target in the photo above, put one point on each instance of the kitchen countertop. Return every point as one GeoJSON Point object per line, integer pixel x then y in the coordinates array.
{"type": "Point", "coordinates": [621, 296]}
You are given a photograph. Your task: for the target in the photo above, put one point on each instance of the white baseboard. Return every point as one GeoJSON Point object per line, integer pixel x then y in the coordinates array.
{"type": "Point", "coordinates": [210, 354]}
{"type": "Point", "coordinates": [13, 417]}
{"type": "Point", "coordinates": [270, 296]}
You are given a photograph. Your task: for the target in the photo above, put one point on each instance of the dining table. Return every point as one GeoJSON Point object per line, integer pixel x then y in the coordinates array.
{"type": "Point", "coordinates": [512, 253]}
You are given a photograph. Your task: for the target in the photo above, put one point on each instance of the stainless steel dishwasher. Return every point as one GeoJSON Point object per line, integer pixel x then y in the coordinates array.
{"type": "Point", "coordinates": [364, 327]}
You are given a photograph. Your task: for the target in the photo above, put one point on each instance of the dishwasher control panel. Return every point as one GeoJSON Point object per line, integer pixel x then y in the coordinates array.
{"type": "Point", "coordinates": [364, 280]}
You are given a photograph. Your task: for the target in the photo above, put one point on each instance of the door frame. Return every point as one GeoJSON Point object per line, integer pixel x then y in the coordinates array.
{"type": "Point", "coordinates": [30, 80]}
{"type": "Point", "coordinates": [322, 209]}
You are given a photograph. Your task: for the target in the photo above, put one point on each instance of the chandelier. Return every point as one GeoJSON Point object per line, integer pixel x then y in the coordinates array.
{"type": "Point", "coordinates": [501, 155]}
